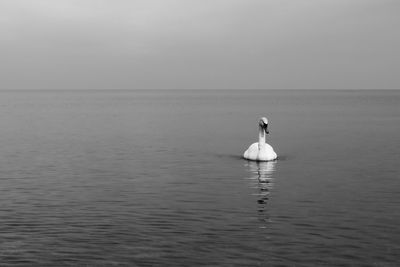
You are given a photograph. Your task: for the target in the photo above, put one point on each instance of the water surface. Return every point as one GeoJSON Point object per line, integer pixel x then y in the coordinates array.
{"type": "Point", "coordinates": [155, 178]}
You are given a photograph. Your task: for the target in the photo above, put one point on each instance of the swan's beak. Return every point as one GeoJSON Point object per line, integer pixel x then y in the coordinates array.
{"type": "Point", "coordinates": [266, 128]}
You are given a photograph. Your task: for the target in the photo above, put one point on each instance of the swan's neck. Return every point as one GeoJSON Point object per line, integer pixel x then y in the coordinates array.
{"type": "Point", "coordinates": [261, 137]}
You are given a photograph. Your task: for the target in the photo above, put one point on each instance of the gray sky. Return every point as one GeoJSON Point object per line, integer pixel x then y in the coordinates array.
{"type": "Point", "coordinates": [212, 44]}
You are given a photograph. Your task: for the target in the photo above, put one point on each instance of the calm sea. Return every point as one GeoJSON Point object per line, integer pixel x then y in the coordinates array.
{"type": "Point", "coordinates": [155, 178]}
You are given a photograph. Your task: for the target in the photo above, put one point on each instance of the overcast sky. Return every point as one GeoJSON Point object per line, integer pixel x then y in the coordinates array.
{"type": "Point", "coordinates": [211, 44]}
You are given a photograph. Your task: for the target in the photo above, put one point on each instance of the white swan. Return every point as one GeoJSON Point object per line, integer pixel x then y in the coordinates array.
{"type": "Point", "coordinates": [261, 151]}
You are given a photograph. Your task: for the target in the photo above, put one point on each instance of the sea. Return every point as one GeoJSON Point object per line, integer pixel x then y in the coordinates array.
{"type": "Point", "coordinates": [157, 178]}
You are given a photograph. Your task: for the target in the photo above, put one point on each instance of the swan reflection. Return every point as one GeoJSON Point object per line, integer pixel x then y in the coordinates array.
{"type": "Point", "coordinates": [262, 179]}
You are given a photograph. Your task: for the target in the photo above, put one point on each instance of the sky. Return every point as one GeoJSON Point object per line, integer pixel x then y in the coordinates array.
{"type": "Point", "coordinates": [199, 44]}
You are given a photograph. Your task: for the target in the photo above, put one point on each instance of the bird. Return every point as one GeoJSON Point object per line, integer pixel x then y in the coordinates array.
{"type": "Point", "coordinates": [261, 151]}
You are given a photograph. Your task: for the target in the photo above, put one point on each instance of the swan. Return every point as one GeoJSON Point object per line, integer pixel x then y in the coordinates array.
{"type": "Point", "coordinates": [261, 151]}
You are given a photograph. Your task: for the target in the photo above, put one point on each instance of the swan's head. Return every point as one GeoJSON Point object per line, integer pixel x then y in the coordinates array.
{"type": "Point", "coordinates": [264, 124]}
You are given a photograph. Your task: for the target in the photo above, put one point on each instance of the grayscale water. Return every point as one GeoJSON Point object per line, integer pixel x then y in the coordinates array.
{"type": "Point", "coordinates": [155, 178]}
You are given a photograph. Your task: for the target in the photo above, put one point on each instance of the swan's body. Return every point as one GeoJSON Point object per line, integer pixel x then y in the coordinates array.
{"type": "Point", "coordinates": [261, 151]}
{"type": "Point", "coordinates": [254, 152]}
